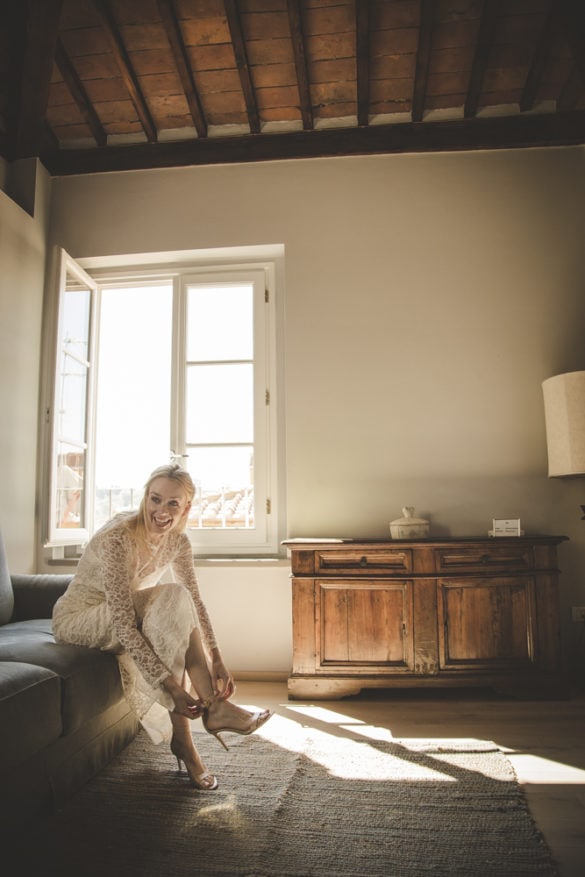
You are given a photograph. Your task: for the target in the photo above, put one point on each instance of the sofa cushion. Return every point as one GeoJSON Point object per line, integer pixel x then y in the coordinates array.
{"type": "Point", "coordinates": [35, 595]}
{"type": "Point", "coordinates": [6, 595]}
{"type": "Point", "coordinates": [90, 679]}
{"type": "Point", "coordinates": [30, 711]}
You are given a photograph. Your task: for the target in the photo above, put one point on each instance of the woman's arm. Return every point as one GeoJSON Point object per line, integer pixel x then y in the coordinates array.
{"type": "Point", "coordinates": [185, 704]}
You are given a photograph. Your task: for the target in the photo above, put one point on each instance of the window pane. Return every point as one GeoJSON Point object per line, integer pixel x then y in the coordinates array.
{"type": "Point", "coordinates": [224, 478]}
{"type": "Point", "coordinates": [220, 323]}
{"type": "Point", "coordinates": [70, 482]}
{"type": "Point", "coordinates": [134, 386]}
{"type": "Point", "coordinates": [110, 501]}
{"type": "Point", "coordinates": [220, 403]}
{"type": "Point", "coordinates": [73, 398]}
{"type": "Point", "coordinates": [71, 391]}
{"type": "Point", "coordinates": [75, 319]}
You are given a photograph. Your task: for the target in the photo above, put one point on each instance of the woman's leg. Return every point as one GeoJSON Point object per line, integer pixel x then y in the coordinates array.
{"type": "Point", "coordinates": [220, 714]}
{"type": "Point", "coordinates": [184, 750]}
{"type": "Point", "coordinates": [173, 601]}
{"type": "Point", "coordinates": [184, 742]}
{"type": "Point", "coordinates": [197, 667]}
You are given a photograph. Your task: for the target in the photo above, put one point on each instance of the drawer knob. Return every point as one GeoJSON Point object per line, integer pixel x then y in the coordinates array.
{"type": "Point", "coordinates": [363, 561]}
{"type": "Point", "coordinates": [485, 558]}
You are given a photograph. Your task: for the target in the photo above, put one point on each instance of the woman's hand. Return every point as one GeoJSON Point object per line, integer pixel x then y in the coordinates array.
{"type": "Point", "coordinates": [185, 704]}
{"type": "Point", "coordinates": [222, 679]}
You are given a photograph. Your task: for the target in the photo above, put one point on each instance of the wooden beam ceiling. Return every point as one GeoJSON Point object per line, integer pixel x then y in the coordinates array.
{"type": "Point", "coordinates": [79, 94]}
{"type": "Point", "coordinates": [128, 75]}
{"type": "Point", "coordinates": [295, 20]}
{"type": "Point", "coordinates": [169, 18]}
{"type": "Point", "coordinates": [541, 56]}
{"type": "Point", "coordinates": [489, 18]}
{"type": "Point", "coordinates": [41, 31]}
{"type": "Point", "coordinates": [573, 21]}
{"type": "Point", "coordinates": [197, 70]}
{"type": "Point", "coordinates": [570, 91]}
{"type": "Point", "coordinates": [423, 54]}
{"type": "Point", "coordinates": [496, 133]}
{"type": "Point", "coordinates": [363, 61]}
{"type": "Point", "coordinates": [239, 44]}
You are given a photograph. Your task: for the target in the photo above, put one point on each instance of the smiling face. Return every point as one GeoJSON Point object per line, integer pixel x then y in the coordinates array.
{"type": "Point", "coordinates": [166, 505]}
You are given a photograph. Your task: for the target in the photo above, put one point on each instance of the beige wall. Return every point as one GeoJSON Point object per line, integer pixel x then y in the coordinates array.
{"type": "Point", "coordinates": [22, 261]}
{"type": "Point", "coordinates": [427, 298]}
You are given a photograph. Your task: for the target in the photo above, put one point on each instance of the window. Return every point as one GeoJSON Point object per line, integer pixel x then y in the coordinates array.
{"type": "Point", "coordinates": [169, 361]}
{"type": "Point", "coordinates": [72, 397]}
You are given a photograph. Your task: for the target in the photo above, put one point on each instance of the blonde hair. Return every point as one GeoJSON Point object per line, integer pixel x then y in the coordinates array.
{"type": "Point", "coordinates": [174, 472]}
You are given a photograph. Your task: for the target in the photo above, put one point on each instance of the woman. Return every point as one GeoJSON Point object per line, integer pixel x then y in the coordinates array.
{"type": "Point", "coordinates": [118, 603]}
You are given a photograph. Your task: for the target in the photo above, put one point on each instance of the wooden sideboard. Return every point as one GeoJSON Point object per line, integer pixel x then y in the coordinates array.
{"type": "Point", "coordinates": [425, 613]}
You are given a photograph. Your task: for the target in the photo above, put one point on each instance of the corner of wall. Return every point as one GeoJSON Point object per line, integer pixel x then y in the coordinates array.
{"type": "Point", "coordinates": [25, 181]}
{"type": "Point", "coordinates": [3, 173]}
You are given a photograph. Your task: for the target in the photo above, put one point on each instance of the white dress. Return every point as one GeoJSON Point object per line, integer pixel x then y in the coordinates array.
{"type": "Point", "coordinates": [116, 602]}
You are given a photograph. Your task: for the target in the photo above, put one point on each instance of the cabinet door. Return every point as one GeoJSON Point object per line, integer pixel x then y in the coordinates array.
{"type": "Point", "coordinates": [486, 623]}
{"type": "Point", "coordinates": [363, 625]}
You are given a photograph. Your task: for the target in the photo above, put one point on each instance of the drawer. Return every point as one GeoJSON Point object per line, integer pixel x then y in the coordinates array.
{"type": "Point", "coordinates": [474, 558]}
{"type": "Point", "coordinates": [385, 562]}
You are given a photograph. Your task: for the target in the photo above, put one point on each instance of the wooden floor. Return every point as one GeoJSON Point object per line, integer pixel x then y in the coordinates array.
{"type": "Point", "coordinates": [545, 741]}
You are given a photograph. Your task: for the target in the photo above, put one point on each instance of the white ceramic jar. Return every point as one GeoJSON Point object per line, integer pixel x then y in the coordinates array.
{"type": "Point", "coordinates": [409, 526]}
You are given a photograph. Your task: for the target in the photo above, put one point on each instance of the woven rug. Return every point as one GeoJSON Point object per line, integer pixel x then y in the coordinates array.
{"type": "Point", "coordinates": [298, 801]}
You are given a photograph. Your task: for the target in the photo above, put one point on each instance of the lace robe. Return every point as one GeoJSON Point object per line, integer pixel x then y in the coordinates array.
{"type": "Point", "coordinates": [116, 602]}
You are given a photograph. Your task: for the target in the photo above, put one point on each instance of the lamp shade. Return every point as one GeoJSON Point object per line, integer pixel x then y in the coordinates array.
{"type": "Point", "coordinates": [564, 410]}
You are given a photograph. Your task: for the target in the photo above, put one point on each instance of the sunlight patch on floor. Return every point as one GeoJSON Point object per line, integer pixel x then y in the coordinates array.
{"type": "Point", "coordinates": [345, 757]}
{"type": "Point", "coordinates": [372, 732]}
{"type": "Point", "coordinates": [346, 723]}
{"type": "Point", "coordinates": [284, 732]}
{"type": "Point", "coordinates": [540, 771]}
{"type": "Point", "coordinates": [351, 759]}
{"type": "Point", "coordinates": [322, 714]}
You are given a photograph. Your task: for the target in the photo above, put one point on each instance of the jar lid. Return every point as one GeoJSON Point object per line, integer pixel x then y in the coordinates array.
{"type": "Point", "coordinates": [409, 517]}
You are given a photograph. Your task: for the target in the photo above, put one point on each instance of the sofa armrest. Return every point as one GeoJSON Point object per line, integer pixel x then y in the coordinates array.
{"type": "Point", "coordinates": [35, 595]}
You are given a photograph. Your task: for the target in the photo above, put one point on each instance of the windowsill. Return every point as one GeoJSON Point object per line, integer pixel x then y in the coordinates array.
{"type": "Point", "coordinates": [65, 561]}
{"type": "Point", "coordinates": [200, 561]}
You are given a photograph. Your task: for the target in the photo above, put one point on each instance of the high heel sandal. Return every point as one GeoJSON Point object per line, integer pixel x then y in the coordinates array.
{"type": "Point", "coordinates": [257, 719]}
{"type": "Point", "coordinates": [197, 779]}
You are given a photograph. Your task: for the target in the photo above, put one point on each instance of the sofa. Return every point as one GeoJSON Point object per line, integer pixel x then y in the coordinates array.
{"type": "Point", "coordinates": [63, 715]}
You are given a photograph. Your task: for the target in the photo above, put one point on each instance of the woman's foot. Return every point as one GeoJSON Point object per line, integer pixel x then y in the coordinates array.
{"type": "Point", "coordinates": [198, 774]}
{"type": "Point", "coordinates": [221, 715]}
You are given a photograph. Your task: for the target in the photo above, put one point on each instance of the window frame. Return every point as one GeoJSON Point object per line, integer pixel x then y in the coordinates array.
{"type": "Point", "coordinates": [182, 268]}
{"type": "Point", "coordinates": [61, 536]}
{"type": "Point", "coordinates": [261, 537]}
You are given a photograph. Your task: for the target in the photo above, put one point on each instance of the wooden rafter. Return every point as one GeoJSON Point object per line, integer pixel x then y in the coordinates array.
{"type": "Point", "coordinates": [49, 137]}
{"type": "Point", "coordinates": [569, 94]}
{"type": "Point", "coordinates": [482, 50]}
{"type": "Point", "coordinates": [173, 28]}
{"type": "Point", "coordinates": [128, 75]}
{"type": "Point", "coordinates": [42, 27]}
{"type": "Point", "coordinates": [497, 133]}
{"type": "Point", "coordinates": [423, 55]}
{"type": "Point", "coordinates": [539, 60]}
{"type": "Point", "coordinates": [362, 51]}
{"type": "Point", "coordinates": [573, 21]}
{"type": "Point", "coordinates": [239, 44]}
{"type": "Point", "coordinates": [14, 22]}
{"type": "Point", "coordinates": [295, 22]}
{"type": "Point", "coordinates": [79, 95]}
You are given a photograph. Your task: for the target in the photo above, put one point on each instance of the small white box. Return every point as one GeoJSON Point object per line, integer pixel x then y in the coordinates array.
{"type": "Point", "coordinates": [506, 527]}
